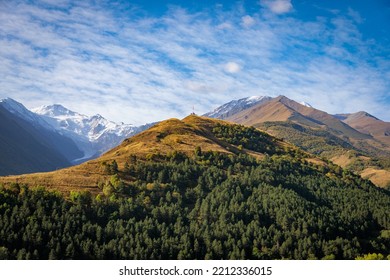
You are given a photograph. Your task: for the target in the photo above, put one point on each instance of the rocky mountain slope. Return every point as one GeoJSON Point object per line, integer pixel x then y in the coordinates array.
{"type": "Point", "coordinates": [28, 146]}
{"type": "Point", "coordinates": [355, 141]}
{"type": "Point", "coordinates": [93, 135]}
{"type": "Point", "coordinates": [68, 135]}
{"type": "Point", "coordinates": [368, 124]}
{"type": "Point", "coordinates": [236, 106]}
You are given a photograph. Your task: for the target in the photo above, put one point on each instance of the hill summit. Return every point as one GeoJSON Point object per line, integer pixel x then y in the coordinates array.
{"type": "Point", "coordinates": [196, 188]}
{"type": "Point", "coordinates": [162, 140]}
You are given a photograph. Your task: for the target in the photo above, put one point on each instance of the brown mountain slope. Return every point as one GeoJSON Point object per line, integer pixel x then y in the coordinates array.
{"type": "Point", "coordinates": [162, 139]}
{"type": "Point", "coordinates": [366, 123]}
{"type": "Point", "coordinates": [270, 111]}
{"type": "Point", "coordinates": [282, 108]}
{"type": "Point", "coordinates": [167, 136]}
{"type": "Point", "coordinates": [357, 148]}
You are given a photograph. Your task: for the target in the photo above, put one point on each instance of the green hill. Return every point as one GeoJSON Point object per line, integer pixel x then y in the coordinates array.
{"type": "Point", "coordinates": [222, 191]}
{"type": "Point", "coordinates": [357, 156]}
{"type": "Point", "coordinates": [358, 142]}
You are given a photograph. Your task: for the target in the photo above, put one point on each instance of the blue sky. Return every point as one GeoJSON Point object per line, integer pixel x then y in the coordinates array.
{"type": "Point", "coordinates": [143, 61]}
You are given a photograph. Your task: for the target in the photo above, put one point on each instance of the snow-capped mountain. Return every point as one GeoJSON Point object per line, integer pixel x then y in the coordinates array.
{"type": "Point", "coordinates": [61, 137]}
{"type": "Point", "coordinates": [93, 135]}
{"type": "Point", "coordinates": [236, 106]}
{"type": "Point", "coordinates": [29, 144]}
{"type": "Point", "coordinates": [306, 104]}
{"type": "Point", "coordinates": [22, 112]}
{"type": "Point", "coordinates": [90, 128]}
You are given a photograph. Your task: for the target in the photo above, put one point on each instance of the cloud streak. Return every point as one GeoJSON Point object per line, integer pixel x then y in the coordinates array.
{"type": "Point", "coordinates": [278, 6]}
{"type": "Point", "coordinates": [138, 69]}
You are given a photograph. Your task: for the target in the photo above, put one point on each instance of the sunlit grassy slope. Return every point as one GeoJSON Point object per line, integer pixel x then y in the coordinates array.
{"type": "Point", "coordinates": [162, 139]}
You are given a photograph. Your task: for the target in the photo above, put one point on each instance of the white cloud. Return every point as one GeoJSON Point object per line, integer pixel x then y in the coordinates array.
{"type": "Point", "coordinates": [278, 6]}
{"type": "Point", "coordinates": [247, 21]}
{"type": "Point", "coordinates": [96, 60]}
{"type": "Point", "coordinates": [232, 67]}
{"type": "Point", "coordinates": [225, 25]}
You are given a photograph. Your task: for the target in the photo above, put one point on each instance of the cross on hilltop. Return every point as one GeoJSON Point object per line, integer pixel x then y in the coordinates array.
{"type": "Point", "coordinates": [193, 110]}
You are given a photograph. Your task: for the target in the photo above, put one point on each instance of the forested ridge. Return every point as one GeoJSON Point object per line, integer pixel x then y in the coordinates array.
{"type": "Point", "coordinates": [325, 143]}
{"type": "Point", "coordinates": [205, 205]}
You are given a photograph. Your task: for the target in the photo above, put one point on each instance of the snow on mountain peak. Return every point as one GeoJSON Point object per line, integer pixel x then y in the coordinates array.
{"type": "Point", "coordinates": [92, 127]}
{"type": "Point", "coordinates": [235, 106]}
{"type": "Point", "coordinates": [13, 106]}
{"type": "Point", "coordinates": [54, 110]}
{"type": "Point", "coordinates": [254, 98]}
{"type": "Point", "coordinates": [93, 134]}
{"type": "Point", "coordinates": [306, 104]}
{"type": "Point", "coordinates": [99, 117]}
{"type": "Point", "coordinates": [8, 100]}
{"type": "Point", "coordinates": [22, 112]}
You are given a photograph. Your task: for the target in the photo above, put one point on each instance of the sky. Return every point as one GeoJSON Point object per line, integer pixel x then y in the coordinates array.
{"type": "Point", "coordinates": [142, 61]}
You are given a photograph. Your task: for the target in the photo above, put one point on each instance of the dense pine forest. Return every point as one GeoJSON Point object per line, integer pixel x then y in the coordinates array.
{"type": "Point", "coordinates": [326, 144]}
{"type": "Point", "coordinates": [263, 199]}
{"type": "Point", "coordinates": [208, 206]}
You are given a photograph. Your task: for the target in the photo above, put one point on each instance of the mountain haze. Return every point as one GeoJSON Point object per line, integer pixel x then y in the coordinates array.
{"type": "Point", "coordinates": [27, 148]}
{"type": "Point", "coordinates": [93, 135]}
{"type": "Point", "coordinates": [65, 137]}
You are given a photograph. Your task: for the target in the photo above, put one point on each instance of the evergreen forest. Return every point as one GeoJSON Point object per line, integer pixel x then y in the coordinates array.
{"type": "Point", "coordinates": [208, 205]}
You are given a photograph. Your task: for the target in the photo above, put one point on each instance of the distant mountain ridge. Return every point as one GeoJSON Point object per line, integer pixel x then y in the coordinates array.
{"type": "Point", "coordinates": [28, 144]}
{"type": "Point", "coordinates": [94, 135]}
{"type": "Point", "coordinates": [359, 141]}
{"type": "Point", "coordinates": [167, 138]}
{"type": "Point", "coordinates": [236, 106]}
{"type": "Point", "coordinates": [74, 136]}
{"type": "Point", "coordinates": [366, 123]}
{"type": "Point", "coordinates": [260, 109]}
{"type": "Point", "coordinates": [282, 108]}
{"type": "Point", "coordinates": [18, 109]}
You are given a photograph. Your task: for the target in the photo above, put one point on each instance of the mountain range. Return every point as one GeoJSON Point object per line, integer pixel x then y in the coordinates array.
{"type": "Point", "coordinates": [236, 106]}
{"type": "Point", "coordinates": [167, 139]}
{"type": "Point", "coordinates": [27, 148]}
{"type": "Point", "coordinates": [93, 135]}
{"type": "Point", "coordinates": [358, 141]}
{"type": "Point", "coordinates": [196, 188]}
{"type": "Point", "coordinates": [67, 137]}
